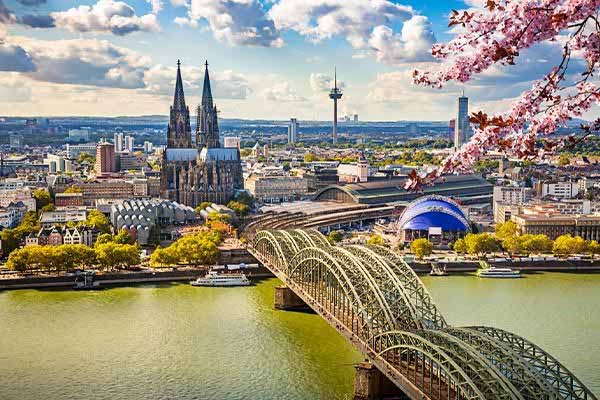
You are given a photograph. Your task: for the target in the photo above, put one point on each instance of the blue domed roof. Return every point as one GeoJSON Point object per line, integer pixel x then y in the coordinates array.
{"type": "Point", "coordinates": [433, 211]}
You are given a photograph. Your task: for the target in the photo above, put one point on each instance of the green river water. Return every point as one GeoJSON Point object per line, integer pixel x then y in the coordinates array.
{"type": "Point", "coordinates": [174, 341]}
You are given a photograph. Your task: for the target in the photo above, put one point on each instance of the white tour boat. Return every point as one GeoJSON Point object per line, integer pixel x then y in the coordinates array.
{"type": "Point", "coordinates": [495, 272]}
{"type": "Point", "coordinates": [213, 278]}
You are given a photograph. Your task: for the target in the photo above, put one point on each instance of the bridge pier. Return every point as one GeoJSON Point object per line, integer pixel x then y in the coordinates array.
{"type": "Point", "coordinates": [286, 299]}
{"type": "Point", "coordinates": [371, 384]}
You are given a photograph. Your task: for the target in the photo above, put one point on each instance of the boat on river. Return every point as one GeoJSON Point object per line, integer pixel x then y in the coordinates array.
{"type": "Point", "coordinates": [213, 278]}
{"type": "Point", "coordinates": [495, 272]}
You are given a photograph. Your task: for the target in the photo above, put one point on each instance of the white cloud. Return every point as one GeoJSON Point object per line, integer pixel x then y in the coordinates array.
{"type": "Point", "coordinates": [413, 44]}
{"type": "Point", "coordinates": [226, 84]}
{"type": "Point", "coordinates": [156, 5]}
{"type": "Point", "coordinates": [237, 22]}
{"type": "Point", "coordinates": [323, 82]}
{"type": "Point", "coordinates": [13, 89]}
{"type": "Point", "coordinates": [282, 92]}
{"type": "Point", "coordinates": [84, 62]}
{"type": "Point", "coordinates": [324, 19]}
{"type": "Point", "coordinates": [111, 16]}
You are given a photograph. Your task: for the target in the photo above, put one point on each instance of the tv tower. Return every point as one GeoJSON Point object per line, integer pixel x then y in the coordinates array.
{"type": "Point", "coordinates": [335, 95]}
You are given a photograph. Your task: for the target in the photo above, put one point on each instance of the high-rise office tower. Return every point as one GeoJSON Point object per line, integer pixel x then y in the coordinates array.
{"type": "Point", "coordinates": [335, 95]}
{"type": "Point", "coordinates": [293, 131]}
{"type": "Point", "coordinates": [118, 142]}
{"type": "Point", "coordinates": [128, 144]}
{"type": "Point", "coordinates": [462, 128]}
{"type": "Point", "coordinates": [105, 158]}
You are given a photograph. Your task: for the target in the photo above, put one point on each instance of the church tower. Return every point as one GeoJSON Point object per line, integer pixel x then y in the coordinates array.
{"type": "Point", "coordinates": [179, 132]}
{"type": "Point", "coordinates": [207, 131]}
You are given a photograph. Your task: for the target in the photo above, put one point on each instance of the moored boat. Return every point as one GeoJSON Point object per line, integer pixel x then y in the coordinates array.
{"type": "Point", "coordinates": [495, 272]}
{"type": "Point", "coordinates": [213, 278]}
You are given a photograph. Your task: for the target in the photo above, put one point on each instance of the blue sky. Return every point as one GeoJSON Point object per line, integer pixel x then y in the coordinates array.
{"type": "Point", "coordinates": [268, 58]}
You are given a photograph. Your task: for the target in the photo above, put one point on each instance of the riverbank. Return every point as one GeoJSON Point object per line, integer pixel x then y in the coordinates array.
{"type": "Point", "coordinates": [118, 278]}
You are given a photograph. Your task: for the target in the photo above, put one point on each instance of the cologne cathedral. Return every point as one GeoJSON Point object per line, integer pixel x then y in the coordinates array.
{"type": "Point", "coordinates": [196, 171]}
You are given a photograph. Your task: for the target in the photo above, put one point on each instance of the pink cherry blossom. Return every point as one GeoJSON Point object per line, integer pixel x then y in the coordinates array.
{"type": "Point", "coordinates": [496, 34]}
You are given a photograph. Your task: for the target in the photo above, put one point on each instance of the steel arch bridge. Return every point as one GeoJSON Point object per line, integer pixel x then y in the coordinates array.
{"type": "Point", "coordinates": [372, 297]}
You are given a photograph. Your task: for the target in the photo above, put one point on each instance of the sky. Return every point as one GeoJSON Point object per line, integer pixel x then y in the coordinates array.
{"type": "Point", "coordinates": [268, 59]}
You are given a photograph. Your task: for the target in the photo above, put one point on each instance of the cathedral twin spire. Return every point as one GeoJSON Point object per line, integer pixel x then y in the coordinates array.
{"type": "Point", "coordinates": [179, 133]}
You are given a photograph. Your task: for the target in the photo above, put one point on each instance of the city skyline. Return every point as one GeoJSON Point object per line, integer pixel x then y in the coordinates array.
{"type": "Point", "coordinates": [109, 58]}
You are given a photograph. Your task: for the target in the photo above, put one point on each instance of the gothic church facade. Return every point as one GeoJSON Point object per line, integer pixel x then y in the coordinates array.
{"type": "Point", "coordinates": [192, 173]}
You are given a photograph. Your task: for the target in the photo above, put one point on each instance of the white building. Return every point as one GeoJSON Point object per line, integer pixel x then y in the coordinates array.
{"type": "Point", "coordinates": [560, 190]}
{"type": "Point", "coordinates": [50, 218]}
{"type": "Point", "coordinates": [355, 172]}
{"type": "Point", "coordinates": [11, 216]}
{"type": "Point", "coordinates": [128, 143]}
{"type": "Point", "coordinates": [148, 147]}
{"type": "Point", "coordinates": [293, 131]}
{"type": "Point", "coordinates": [276, 188]}
{"type": "Point", "coordinates": [58, 163]}
{"type": "Point", "coordinates": [118, 142]}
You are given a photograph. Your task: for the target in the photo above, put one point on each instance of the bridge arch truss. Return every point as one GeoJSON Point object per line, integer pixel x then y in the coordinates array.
{"type": "Point", "coordinates": [371, 296]}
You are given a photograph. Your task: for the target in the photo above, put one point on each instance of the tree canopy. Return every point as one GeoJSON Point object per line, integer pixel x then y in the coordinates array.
{"type": "Point", "coordinates": [421, 247]}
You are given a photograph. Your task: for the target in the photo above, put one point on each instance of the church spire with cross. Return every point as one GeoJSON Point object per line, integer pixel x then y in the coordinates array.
{"type": "Point", "coordinates": [207, 131]}
{"type": "Point", "coordinates": [179, 131]}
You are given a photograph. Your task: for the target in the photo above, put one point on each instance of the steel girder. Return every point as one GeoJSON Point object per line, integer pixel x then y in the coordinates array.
{"type": "Point", "coordinates": [322, 276]}
{"type": "Point", "coordinates": [565, 384]}
{"type": "Point", "coordinates": [442, 370]}
{"type": "Point", "coordinates": [429, 315]}
{"type": "Point", "coordinates": [492, 383]}
{"type": "Point", "coordinates": [522, 374]}
{"type": "Point", "coordinates": [403, 310]}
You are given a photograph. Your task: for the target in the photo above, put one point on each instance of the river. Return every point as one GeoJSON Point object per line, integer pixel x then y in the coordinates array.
{"type": "Point", "coordinates": [181, 342]}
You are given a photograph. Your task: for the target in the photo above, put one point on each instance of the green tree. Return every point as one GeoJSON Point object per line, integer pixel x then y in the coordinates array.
{"type": "Point", "coordinates": [123, 237]}
{"type": "Point", "coordinates": [565, 245]}
{"type": "Point", "coordinates": [564, 159]}
{"type": "Point", "coordinates": [310, 157]}
{"type": "Point", "coordinates": [421, 247]}
{"type": "Point", "coordinates": [76, 256]}
{"type": "Point", "coordinates": [98, 220]}
{"type": "Point", "coordinates": [48, 207]}
{"type": "Point", "coordinates": [335, 237]}
{"type": "Point", "coordinates": [375, 240]}
{"type": "Point", "coordinates": [10, 240]}
{"type": "Point", "coordinates": [202, 206]}
{"type": "Point", "coordinates": [103, 238]}
{"type": "Point", "coordinates": [507, 229]}
{"type": "Point", "coordinates": [536, 243]}
{"type": "Point", "coordinates": [513, 245]}
{"type": "Point", "coordinates": [245, 198]}
{"type": "Point", "coordinates": [112, 255]}
{"type": "Point", "coordinates": [460, 246]}
{"type": "Point", "coordinates": [593, 248]}
{"type": "Point", "coordinates": [215, 216]}
{"type": "Point", "coordinates": [239, 208]}
{"type": "Point", "coordinates": [18, 260]}
{"type": "Point", "coordinates": [166, 256]}
{"type": "Point", "coordinates": [198, 249]}
{"type": "Point", "coordinates": [481, 244]}
{"type": "Point", "coordinates": [85, 157]}
{"type": "Point", "coordinates": [42, 198]}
